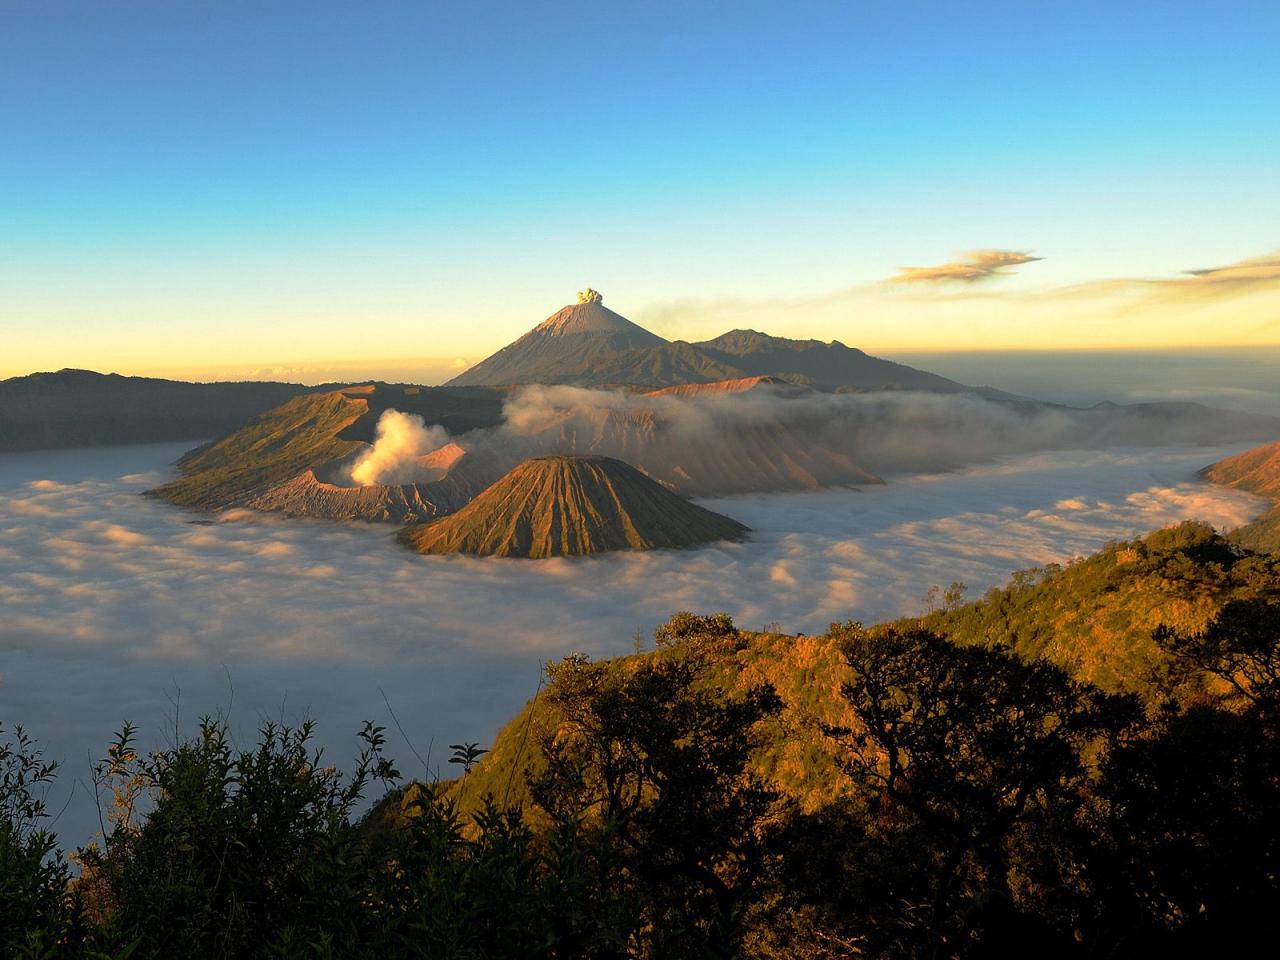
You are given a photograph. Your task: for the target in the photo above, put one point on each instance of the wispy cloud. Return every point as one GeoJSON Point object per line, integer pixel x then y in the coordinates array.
{"type": "Point", "coordinates": [949, 307]}
{"type": "Point", "coordinates": [1250, 272]}
{"type": "Point", "coordinates": [971, 267]}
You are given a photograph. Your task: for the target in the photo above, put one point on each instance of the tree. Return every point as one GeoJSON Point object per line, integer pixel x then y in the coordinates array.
{"type": "Point", "coordinates": [657, 765]}
{"type": "Point", "coordinates": [34, 905]}
{"type": "Point", "coordinates": [975, 762]}
{"type": "Point", "coordinates": [1241, 647]}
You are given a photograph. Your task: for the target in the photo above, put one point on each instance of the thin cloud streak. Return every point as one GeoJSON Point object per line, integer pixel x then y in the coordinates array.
{"type": "Point", "coordinates": [972, 267]}
{"type": "Point", "coordinates": [949, 307]}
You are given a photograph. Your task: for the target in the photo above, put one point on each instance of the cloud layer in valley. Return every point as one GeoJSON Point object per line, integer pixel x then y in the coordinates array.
{"type": "Point", "coordinates": [681, 440]}
{"type": "Point", "coordinates": [118, 608]}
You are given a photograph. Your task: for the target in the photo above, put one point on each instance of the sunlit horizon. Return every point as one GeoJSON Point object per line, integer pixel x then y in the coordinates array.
{"type": "Point", "coordinates": [213, 192]}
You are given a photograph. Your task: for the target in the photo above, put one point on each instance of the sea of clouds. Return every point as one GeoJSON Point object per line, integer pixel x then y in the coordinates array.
{"type": "Point", "coordinates": [883, 432]}
{"type": "Point", "coordinates": [114, 607]}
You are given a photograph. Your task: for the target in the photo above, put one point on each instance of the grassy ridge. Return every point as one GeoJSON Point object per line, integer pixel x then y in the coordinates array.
{"type": "Point", "coordinates": [1095, 617]}
{"type": "Point", "coordinates": [310, 431]}
{"type": "Point", "coordinates": [272, 448]}
{"type": "Point", "coordinates": [1258, 471]}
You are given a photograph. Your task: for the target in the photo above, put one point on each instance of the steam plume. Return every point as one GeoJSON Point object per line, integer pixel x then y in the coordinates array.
{"type": "Point", "coordinates": [401, 439]}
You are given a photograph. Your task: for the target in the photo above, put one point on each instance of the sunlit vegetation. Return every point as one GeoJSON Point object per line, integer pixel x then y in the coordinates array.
{"type": "Point", "coordinates": [882, 792]}
{"type": "Point", "coordinates": [1258, 471]}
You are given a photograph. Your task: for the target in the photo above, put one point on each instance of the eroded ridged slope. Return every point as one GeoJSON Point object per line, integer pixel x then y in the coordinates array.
{"type": "Point", "coordinates": [563, 506]}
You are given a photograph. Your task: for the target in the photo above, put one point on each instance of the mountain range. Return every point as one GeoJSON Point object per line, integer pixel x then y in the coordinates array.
{"type": "Point", "coordinates": [587, 344]}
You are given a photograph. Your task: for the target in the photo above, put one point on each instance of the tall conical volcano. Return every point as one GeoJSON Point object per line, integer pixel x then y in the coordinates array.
{"type": "Point", "coordinates": [563, 506]}
{"type": "Point", "coordinates": [576, 338]}
{"type": "Point", "coordinates": [588, 345]}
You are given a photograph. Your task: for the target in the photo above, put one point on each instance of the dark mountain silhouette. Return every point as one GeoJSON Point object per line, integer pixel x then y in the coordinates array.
{"type": "Point", "coordinates": [587, 344]}
{"type": "Point", "coordinates": [80, 408]}
{"type": "Point", "coordinates": [562, 506]}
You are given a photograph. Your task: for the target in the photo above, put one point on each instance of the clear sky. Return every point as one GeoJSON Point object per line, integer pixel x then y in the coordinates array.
{"type": "Point", "coordinates": [316, 188]}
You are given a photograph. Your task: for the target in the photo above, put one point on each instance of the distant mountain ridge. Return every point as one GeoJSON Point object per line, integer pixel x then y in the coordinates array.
{"type": "Point", "coordinates": [81, 408]}
{"type": "Point", "coordinates": [586, 344]}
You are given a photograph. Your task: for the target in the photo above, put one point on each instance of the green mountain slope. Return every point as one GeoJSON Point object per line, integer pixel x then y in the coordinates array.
{"type": "Point", "coordinates": [1258, 471]}
{"type": "Point", "coordinates": [562, 506]}
{"type": "Point", "coordinates": [275, 447]}
{"type": "Point", "coordinates": [1095, 617]}
{"type": "Point", "coordinates": [307, 432]}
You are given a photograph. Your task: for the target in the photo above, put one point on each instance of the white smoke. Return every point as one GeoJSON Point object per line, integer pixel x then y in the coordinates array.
{"type": "Point", "coordinates": [401, 439]}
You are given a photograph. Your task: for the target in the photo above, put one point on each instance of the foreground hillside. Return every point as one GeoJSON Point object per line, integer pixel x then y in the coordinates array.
{"type": "Point", "coordinates": [883, 792]}
{"type": "Point", "coordinates": [1257, 471]}
{"type": "Point", "coordinates": [79, 408]}
{"type": "Point", "coordinates": [1095, 618]}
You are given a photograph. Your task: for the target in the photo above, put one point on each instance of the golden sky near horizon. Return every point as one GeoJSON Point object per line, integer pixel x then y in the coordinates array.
{"type": "Point", "coordinates": [981, 300]}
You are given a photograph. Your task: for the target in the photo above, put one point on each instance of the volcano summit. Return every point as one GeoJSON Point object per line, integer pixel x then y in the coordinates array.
{"type": "Point", "coordinates": [586, 344]}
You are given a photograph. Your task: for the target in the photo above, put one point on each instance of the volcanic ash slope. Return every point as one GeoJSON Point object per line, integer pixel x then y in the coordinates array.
{"type": "Point", "coordinates": [565, 506]}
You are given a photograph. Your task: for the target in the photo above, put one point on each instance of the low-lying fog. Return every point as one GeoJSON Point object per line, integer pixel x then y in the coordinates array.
{"type": "Point", "coordinates": [114, 607]}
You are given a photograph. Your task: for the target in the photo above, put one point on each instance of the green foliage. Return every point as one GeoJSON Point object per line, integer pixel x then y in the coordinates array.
{"type": "Point", "coordinates": [655, 771]}
{"type": "Point", "coordinates": [1096, 617]}
{"type": "Point", "coordinates": [211, 850]}
{"type": "Point", "coordinates": [34, 903]}
{"type": "Point", "coordinates": [972, 758]}
{"type": "Point", "coordinates": [1262, 535]}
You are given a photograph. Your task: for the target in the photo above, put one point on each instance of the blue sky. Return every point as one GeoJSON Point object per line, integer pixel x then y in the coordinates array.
{"type": "Point", "coordinates": [188, 185]}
